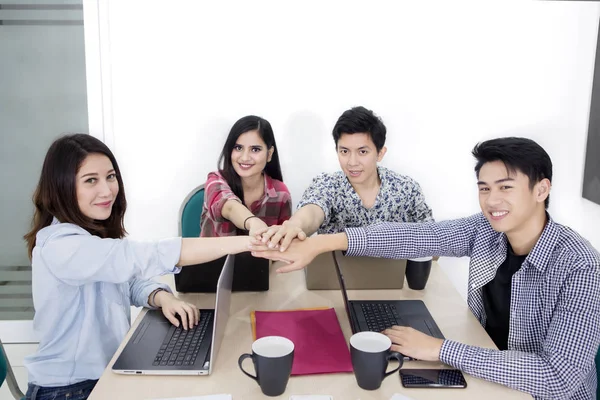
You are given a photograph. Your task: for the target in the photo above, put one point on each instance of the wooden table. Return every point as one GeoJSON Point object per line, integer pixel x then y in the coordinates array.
{"type": "Point", "coordinates": [288, 291]}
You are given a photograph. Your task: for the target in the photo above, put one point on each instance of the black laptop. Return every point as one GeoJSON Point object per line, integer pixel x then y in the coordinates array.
{"type": "Point", "coordinates": [377, 315]}
{"type": "Point", "coordinates": [250, 274]}
{"type": "Point", "coordinates": [157, 347]}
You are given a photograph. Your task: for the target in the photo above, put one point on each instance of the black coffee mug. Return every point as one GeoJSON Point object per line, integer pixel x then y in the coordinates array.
{"type": "Point", "coordinates": [272, 357]}
{"type": "Point", "coordinates": [417, 272]}
{"type": "Point", "coordinates": [370, 357]}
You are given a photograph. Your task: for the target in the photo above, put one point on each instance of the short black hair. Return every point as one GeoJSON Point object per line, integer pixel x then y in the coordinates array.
{"type": "Point", "coordinates": [517, 154]}
{"type": "Point", "coordinates": [360, 120]}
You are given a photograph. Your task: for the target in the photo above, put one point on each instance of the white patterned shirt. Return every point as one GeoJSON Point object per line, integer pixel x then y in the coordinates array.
{"type": "Point", "coordinates": [555, 301]}
{"type": "Point", "coordinates": [400, 199]}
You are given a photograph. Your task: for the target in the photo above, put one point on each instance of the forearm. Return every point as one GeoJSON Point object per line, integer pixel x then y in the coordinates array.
{"type": "Point", "coordinates": [410, 240]}
{"type": "Point", "coordinates": [201, 250]}
{"type": "Point", "coordinates": [308, 218]}
{"type": "Point", "coordinates": [236, 212]}
{"type": "Point", "coordinates": [528, 372]}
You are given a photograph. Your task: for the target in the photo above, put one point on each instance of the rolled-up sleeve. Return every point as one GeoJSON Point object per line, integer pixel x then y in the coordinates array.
{"type": "Point", "coordinates": [216, 193]}
{"type": "Point", "coordinates": [140, 289]}
{"type": "Point", "coordinates": [76, 257]}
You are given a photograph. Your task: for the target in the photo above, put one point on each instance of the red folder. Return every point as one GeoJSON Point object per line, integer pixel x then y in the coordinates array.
{"type": "Point", "coordinates": [319, 344]}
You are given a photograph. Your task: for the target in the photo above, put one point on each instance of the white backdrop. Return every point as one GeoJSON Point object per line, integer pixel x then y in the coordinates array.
{"type": "Point", "coordinates": [443, 76]}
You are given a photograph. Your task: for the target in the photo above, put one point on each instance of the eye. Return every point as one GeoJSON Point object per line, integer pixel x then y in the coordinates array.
{"type": "Point", "coordinates": [256, 149]}
{"type": "Point", "coordinates": [111, 177]}
{"type": "Point", "coordinates": [237, 147]}
{"type": "Point", "coordinates": [484, 189]}
{"type": "Point", "coordinates": [343, 151]}
{"type": "Point", "coordinates": [91, 180]}
{"type": "Point", "coordinates": [362, 152]}
{"type": "Point", "coordinates": [505, 187]}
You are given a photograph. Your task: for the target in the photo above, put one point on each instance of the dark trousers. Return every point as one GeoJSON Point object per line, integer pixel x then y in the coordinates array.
{"type": "Point", "coordinates": [77, 391]}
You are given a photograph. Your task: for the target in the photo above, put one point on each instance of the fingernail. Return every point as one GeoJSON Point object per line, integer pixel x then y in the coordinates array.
{"type": "Point", "coordinates": [282, 249]}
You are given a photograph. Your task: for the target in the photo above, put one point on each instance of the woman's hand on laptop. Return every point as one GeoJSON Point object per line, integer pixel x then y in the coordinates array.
{"type": "Point", "coordinates": [280, 236]}
{"type": "Point", "coordinates": [414, 344]}
{"type": "Point", "coordinates": [172, 306]}
{"type": "Point", "coordinates": [299, 253]}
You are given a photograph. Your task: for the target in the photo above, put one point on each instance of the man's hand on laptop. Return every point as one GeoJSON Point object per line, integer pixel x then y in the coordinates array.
{"type": "Point", "coordinates": [414, 344]}
{"type": "Point", "coordinates": [172, 306]}
{"type": "Point", "coordinates": [298, 255]}
{"type": "Point", "coordinates": [280, 236]}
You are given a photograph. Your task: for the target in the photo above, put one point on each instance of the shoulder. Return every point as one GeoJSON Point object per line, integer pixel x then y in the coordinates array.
{"type": "Point", "coordinates": [329, 178]}
{"type": "Point", "coordinates": [57, 231]}
{"type": "Point", "coordinates": [215, 181]}
{"type": "Point", "coordinates": [575, 251]}
{"type": "Point", "coordinates": [395, 179]}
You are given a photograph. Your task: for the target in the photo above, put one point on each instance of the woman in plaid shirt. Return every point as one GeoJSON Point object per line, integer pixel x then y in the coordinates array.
{"type": "Point", "coordinates": [247, 193]}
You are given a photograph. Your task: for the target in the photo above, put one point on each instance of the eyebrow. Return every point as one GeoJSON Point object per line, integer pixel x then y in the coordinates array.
{"type": "Point", "coordinates": [498, 181]}
{"type": "Point", "coordinates": [96, 174]}
{"type": "Point", "coordinates": [360, 148]}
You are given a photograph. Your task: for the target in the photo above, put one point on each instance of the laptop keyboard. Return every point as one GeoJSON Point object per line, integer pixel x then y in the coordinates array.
{"type": "Point", "coordinates": [380, 316]}
{"type": "Point", "coordinates": [180, 347]}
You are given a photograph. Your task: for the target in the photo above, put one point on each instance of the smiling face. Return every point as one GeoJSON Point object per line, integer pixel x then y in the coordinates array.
{"type": "Point", "coordinates": [250, 155]}
{"type": "Point", "coordinates": [506, 198]}
{"type": "Point", "coordinates": [358, 157]}
{"type": "Point", "coordinates": [96, 186]}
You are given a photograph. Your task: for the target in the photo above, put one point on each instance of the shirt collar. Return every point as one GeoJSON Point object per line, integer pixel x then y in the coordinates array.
{"type": "Point", "coordinates": [270, 187]}
{"type": "Point", "coordinates": [539, 256]}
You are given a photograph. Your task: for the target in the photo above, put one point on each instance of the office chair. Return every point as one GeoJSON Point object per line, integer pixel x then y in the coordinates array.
{"type": "Point", "coordinates": [6, 373]}
{"type": "Point", "coordinates": [190, 213]}
{"type": "Point", "coordinates": [598, 374]}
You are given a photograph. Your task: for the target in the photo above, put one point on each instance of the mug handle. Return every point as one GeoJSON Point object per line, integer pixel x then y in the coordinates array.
{"type": "Point", "coordinates": [241, 359]}
{"type": "Point", "coordinates": [397, 356]}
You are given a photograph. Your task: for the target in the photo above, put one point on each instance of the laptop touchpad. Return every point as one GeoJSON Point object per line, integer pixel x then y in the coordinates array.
{"type": "Point", "coordinates": [420, 325]}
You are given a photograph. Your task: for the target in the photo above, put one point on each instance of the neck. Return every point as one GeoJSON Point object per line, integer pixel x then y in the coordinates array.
{"type": "Point", "coordinates": [373, 183]}
{"type": "Point", "coordinates": [524, 238]}
{"type": "Point", "coordinates": [252, 183]}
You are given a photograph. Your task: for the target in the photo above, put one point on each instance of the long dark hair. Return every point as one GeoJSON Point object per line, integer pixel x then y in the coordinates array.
{"type": "Point", "coordinates": [56, 195]}
{"type": "Point", "coordinates": [243, 125]}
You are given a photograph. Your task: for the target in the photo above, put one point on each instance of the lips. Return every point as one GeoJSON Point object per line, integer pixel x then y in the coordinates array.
{"type": "Point", "coordinates": [498, 215]}
{"type": "Point", "coordinates": [245, 166]}
{"type": "Point", "coordinates": [105, 204]}
{"type": "Point", "coordinates": [354, 173]}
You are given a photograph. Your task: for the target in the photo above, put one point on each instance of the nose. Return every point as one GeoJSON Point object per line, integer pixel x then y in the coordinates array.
{"type": "Point", "coordinates": [245, 155]}
{"type": "Point", "coordinates": [104, 189]}
{"type": "Point", "coordinates": [352, 160]}
{"type": "Point", "coordinates": [493, 199]}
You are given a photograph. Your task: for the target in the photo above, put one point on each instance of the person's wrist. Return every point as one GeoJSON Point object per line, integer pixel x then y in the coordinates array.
{"type": "Point", "coordinates": [248, 222]}
{"type": "Point", "coordinates": [155, 297]}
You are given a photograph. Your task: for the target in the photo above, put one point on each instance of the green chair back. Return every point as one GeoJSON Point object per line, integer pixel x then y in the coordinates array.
{"type": "Point", "coordinates": [190, 213]}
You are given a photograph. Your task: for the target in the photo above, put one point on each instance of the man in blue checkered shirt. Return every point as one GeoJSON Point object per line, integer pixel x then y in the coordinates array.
{"type": "Point", "coordinates": [533, 284]}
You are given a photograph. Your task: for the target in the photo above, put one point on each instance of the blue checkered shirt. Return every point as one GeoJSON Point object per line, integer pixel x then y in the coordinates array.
{"type": "Point", "coordinates": [555, 301]}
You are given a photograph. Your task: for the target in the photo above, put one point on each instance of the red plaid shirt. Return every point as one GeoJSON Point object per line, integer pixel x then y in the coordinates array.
{"type": "Point", "coordinates": [274, 207]}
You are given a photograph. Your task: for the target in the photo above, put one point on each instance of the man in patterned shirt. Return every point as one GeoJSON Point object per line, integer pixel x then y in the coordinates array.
{"type": "Point", "coordinates": [359, 195]}
{"type": "Point", "coordinates": [533, 284]}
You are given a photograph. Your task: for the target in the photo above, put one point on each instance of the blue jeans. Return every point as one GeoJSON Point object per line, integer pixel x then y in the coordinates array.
{"type": "Point", "coordinates": [77, 391]}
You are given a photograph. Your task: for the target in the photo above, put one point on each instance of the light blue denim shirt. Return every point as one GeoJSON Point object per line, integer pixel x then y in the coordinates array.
{"type": "Point", "coordinates": [83, 287]}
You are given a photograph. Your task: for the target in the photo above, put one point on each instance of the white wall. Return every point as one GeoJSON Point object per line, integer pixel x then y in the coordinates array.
{"type": "Point", "coordinates": [443, 76]}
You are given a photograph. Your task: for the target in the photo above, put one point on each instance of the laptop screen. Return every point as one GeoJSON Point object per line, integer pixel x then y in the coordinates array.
{"type": "Point", "coordinates": [338, 270]}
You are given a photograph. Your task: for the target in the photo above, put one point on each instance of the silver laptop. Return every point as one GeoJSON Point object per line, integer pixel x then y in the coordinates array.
{"type": "Point", "coordinates": [359, 272]}
{"type": "Point", "coordinates": [157, 347]}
